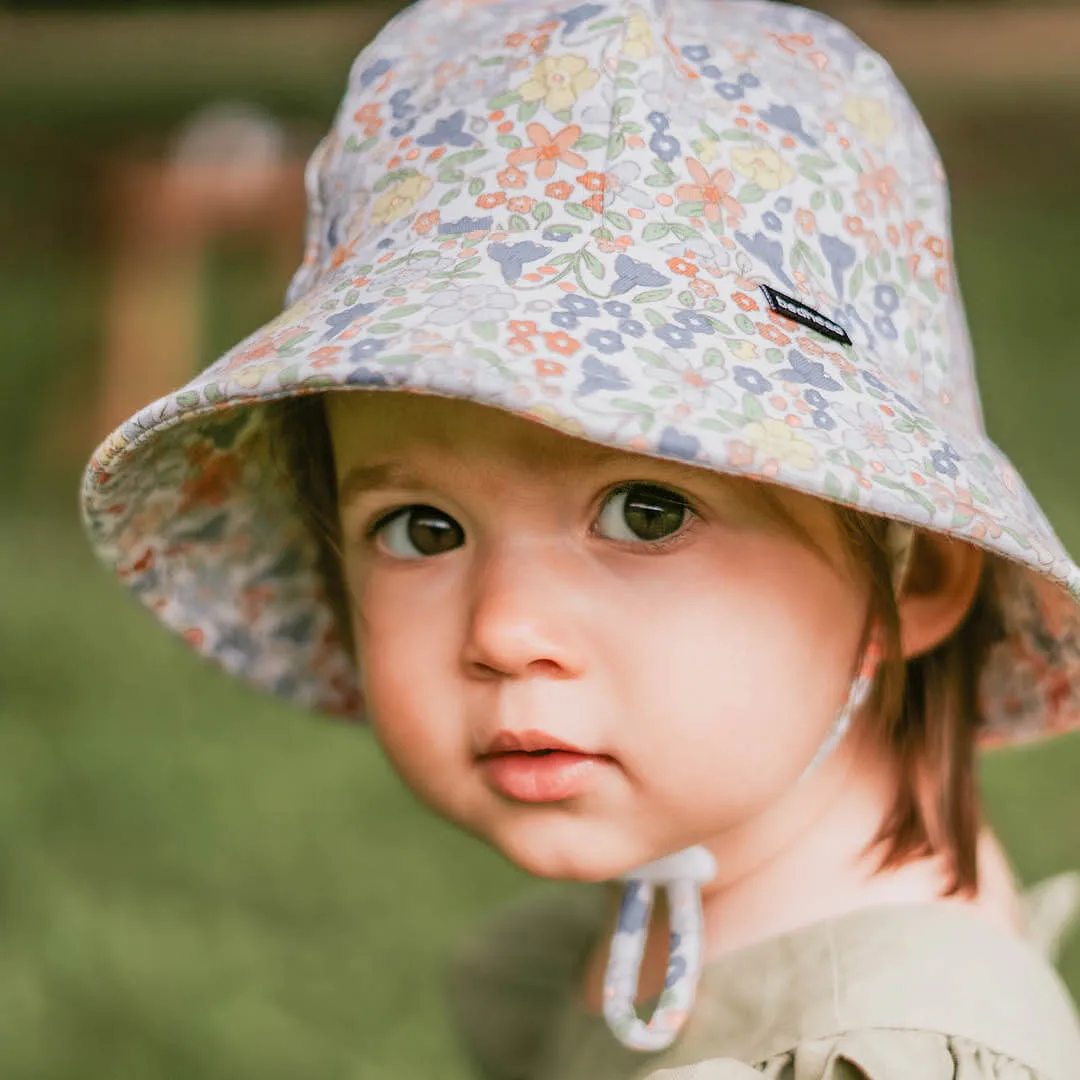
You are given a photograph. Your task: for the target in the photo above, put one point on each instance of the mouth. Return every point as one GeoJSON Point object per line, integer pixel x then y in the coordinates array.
{"type": "Point", "coordinates": [534, 767]}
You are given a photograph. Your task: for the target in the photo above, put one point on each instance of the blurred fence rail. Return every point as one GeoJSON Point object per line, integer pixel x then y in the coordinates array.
{"type": "Point", "coordinates": [65, 65]}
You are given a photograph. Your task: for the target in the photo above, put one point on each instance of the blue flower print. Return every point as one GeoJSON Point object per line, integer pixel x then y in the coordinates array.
{"type": "Point", "coordinates": [658, 121]}
{"type": "Point", "coordinates": [448, 131]}
{"type": "Point", "coordinates": [822, 420]}
{"type": "Point", "coordinates": [633, 910]}
{"type": "Point", "coordinates": [751, 379]}
{"type": "Point", "coordinates": [840, 257]}
{"type": "Point", "coordinates": [369, 75]}
{"type": "Point", "coordinates": [366, 349]}
{"type": "Point", "coordinates": [564, 320]}
{"type": "Point", "coordinates": [342, 320]}
{"type": "Point", "coordinates": [513, 257]}
{"type": "Point", "coordinates": [675, 444]}
{"type": "Point", "coordinates": [385, 242]}
{"type": "Point", "coordinates": [605, 341]}
{"type": "Point", "coordinates": [601, 376]}
{"type": "Point", "coordinates": [676, 970]}
{"type": "Point", "coordinates": [909, 405]}
{"type": "Point", "coordinates": [816, 400]}
{"type": "Point", "coordinates": [363, 376]}
{"type": "Point", "coordinates": [632, 328]}
{"type": "Point", "coordinates": [678, 337]}
{"type": "Point", "coordinates": [711, 71]}
{"type": "Point", "coordinates": [886, 299]}
{"type": "Point", "coordinates": [665, 147]}
{"type": "Point", "coordinates": [580, 305]}
{"type": "Point", "coordinates": [770, 252]}
{"type": "Point", "coordinates": [630, 274]}
{"type": "Point", "coordinates": [886, 327]}
{"type": "Point", "coordinates": [805, 370]}
{"type": "Point", "coordinates": [573, 18]}
{"type": "Point", "coordinates": [729, 91]}
{"type": "Point", "coordinates": [944, 462]}
{"type": "Point", "coordinates": [787, 118]}
{"type": "Point", "coordinates": [872, 380]}
{"type": "Point", "coordinates": [560, 236]}
{"type": "Point", "coordinates": [694, 320]}
{"type": "Point", "coordinates": [617, 308]}
{"type": "Point", "coordinates": [748, 78]}
{"type": "Point", "coordinates": [782, 205]}
{"type": "Point", "coordinates": [696, 53]}
{"type": "Point", "coordinates": [772, 221]}
{"type": "Point", "coordinates": [465, 225]}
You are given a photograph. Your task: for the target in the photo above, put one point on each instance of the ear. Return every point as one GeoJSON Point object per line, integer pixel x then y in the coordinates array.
{"type": "Point", "coordinates": [938, 591]}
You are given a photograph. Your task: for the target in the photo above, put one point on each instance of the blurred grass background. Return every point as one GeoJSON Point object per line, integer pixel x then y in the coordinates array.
{"type": "Point", "coordinates": [199, 883]}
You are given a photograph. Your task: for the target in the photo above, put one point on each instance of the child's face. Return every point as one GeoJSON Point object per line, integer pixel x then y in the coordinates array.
{"type": "Point", "coordinates": [530, 589]}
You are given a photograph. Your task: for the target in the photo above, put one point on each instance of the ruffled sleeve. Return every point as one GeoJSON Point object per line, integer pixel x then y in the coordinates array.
{"type": "Point", "coordinates": [868, 1055]}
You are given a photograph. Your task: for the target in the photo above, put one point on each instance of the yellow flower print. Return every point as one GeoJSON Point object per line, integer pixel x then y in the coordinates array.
{"type": "Point", "coordinates": [871, 117]}
{"type": "Point", "coordinates": [763, 165]}
{"type": "Point", "coordinates": [776, 440]}
{"type": "Point", "coordinates": [638, 41]}
{"type": "Point", "coordinates": [558, 81]}
{"type": "Point", "coordinates": [399, 198]}
{"type": "Point", "coordinates": [548, 414]}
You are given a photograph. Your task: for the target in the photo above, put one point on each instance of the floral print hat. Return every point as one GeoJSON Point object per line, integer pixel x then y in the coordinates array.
{"type": "Point", "coordinates": [705, 230]}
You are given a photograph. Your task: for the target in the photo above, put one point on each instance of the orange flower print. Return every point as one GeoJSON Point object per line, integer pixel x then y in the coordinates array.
{"type": "Point", "coordinates": [595, 203]}
{"type": "Point", "coordinates": [426, 222]}
{"type": "Point", "coordinates": [710, 188]}
{"type": "Point", "coordinates": [702, 288]}
{"type": "Point", "coordinates": [522, 327]}
{"type": "Point", "coordinates": [512, 178]}
{"type": "Point", "coordinates": [512, 41]}
{"type": "Point", "coordinates": [806, 220]}
{"type": "Point", "coordinates": [559, 190]}
{"type": "Point", "coordinates": [547, 149]}
{"type": "Point", "coordinates": [491, 199]}
{"type": "Point", "coordinates": [936, 246]}
{"type": "Point", "coordinates": [773, 334]}
{"type": "Point", "coordinates": [747, 303]}
{"type": "Point", "coordinates": [678, 265]}
{"type": "Point", "coordinates": [521, 204]}
{"type": "Point", "coordinates": [562, 343]}
{"type": "Point", "coordinates": [549, 367]}
{"type": "Point", "coordinates": [593, 181]}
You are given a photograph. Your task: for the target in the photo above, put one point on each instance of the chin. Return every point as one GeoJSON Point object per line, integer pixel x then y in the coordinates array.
{"type": "Point", "coordinates": [565, 857]}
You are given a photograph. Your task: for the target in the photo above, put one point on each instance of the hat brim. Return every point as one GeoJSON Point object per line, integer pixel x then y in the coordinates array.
{"type": "Point", "coordinates": [629, 352]}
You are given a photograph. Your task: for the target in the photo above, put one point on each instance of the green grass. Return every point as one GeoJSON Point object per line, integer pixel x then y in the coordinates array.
{"type": "Point", "coordinates": [200, 884]}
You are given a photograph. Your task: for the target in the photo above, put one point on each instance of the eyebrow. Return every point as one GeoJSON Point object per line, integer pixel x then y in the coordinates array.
{"type": "Point", "coordinates": [387, 474]}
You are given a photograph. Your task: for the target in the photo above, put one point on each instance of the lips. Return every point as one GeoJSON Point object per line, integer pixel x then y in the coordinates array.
{"type": "Point", "coordinates": [534, 767]}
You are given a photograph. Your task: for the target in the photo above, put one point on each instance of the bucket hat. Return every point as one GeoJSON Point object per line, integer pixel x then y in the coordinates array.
{"type": "Point", "coordinates": [710, 231]}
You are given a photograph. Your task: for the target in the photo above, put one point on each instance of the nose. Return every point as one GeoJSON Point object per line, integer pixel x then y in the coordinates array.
{"type": "Point", "coordinates": [526, 616]}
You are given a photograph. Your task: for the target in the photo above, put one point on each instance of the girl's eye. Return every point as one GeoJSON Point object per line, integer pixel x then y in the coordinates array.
{"type": "Point", "coordinates": [418, 532]}
{"type": "Point", "coordinates": [642, 513]}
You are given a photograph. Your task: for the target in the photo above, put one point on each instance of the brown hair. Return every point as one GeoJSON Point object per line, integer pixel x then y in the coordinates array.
{"type": "Point", "coordinates": [927, 706]}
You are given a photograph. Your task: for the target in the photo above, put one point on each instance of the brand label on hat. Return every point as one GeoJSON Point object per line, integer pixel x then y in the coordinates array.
{"type": "Point", "coordinates": [798, 312]}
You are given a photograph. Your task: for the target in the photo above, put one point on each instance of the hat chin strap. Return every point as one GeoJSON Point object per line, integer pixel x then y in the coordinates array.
{"type": "Point", "coordinates": [682, 874]}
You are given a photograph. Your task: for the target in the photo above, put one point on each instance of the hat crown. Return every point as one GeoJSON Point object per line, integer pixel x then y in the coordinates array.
{"type": "Point", "coordinates": [753, 141]}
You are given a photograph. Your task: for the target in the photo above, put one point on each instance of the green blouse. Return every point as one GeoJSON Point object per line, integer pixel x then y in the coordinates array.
{"type": "Point", "coordinates": [898, 992]}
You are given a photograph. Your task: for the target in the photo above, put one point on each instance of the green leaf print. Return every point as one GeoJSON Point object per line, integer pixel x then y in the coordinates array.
{"type": "Point", "coordinates": [509, 142]}
{"type": "Point", "coordinates": [476, 185]}
{"type": "Point", "coordinates": [655, 230]}
{"type": "Point", "coordinates": [750, 193]}
{"type": "Point", "coordinates": [592, 263]}
{"type": "Point", "coordinates": [651, 295]}
{"type": "Point", "coordinates": [577, 210]}
{"type": "Point", "coordinates": [681, 231]}
{"type": "Point", "coordinates": [541, 212]}
{"type": "Point", "coordinates": [518, 223]}
{"type": "Point", "coordinates": [855, 281]}
{"type": "Point", "coordinates": [590, 141]}
{"type": "Point", "coordinates": [715, 425]}
{"type": "Point", "coordinates": [485, 330]}
{"type": "Point", "coordinates": [629, 405]}
{"type": "Point", "coordinates": [649, 357]}
{"type": "Point", "coordinates": [752, 409]}
{"type": "Point", "coordinates": [686, 298]}
{"type": "Point", "coordinates": [690, 209]}
{"type": "Point", "coordinates": [620, 221]}
{"type": "Point", "coordinates": [616, 145]}
{"type": "Point", "coordinates": [745, 323]}
{"type": "Point", "coordinates": [503, 101]}
{"type": "Point", "coordinates": [450, 196]}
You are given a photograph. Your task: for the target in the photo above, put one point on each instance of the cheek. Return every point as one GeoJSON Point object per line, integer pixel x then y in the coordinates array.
{"type": "Point", "coordinates": [744, 676]}
{"type": "Point", "coordinates": [404, 651]}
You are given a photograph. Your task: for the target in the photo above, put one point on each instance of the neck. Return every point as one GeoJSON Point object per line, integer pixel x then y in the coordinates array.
{"type": "Point", "coordinates": [807, 859]}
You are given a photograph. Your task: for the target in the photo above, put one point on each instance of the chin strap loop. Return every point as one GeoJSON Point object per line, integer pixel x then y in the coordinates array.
{"type": "Point", "coordinates": [682, 874]}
